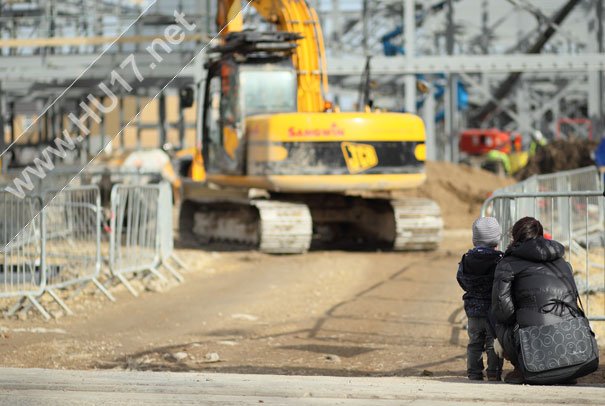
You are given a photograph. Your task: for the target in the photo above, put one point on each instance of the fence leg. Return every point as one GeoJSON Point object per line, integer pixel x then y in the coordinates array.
{"type": "Point", "coordinates": [19, 305]}
{"type": "Point", "coordinates": [127, 284]}
{"type": "Point", "coordinates": [157, 273]}
{"type": "Point", "coordinates": [103, 290]}
{"type": "Point", "coordinates": [39, 307]}
{"type": "Point", "coordinates": [60, 302]}
{"type": "Point", "coordinates": [173, 272]}
{"type": "Point", "coordinates": [179, 261]}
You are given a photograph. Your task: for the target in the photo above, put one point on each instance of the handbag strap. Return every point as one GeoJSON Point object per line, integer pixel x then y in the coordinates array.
{"type": "Point", "coordinates": [581, 308]}
{"type": "Point", "coordinates": [557, 306]}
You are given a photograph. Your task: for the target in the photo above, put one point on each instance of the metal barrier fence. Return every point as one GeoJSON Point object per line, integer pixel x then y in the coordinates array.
{"type": "Point", "coordinates": [575, 180]}
{"type": "Point", "coordinates": [65, 236]}
{"type": "Point", "coordinates": [61, 247]}
{"type": "Point", "coordinates": [73, 240]}
{"type": "Point", "coordinates": [574, 218]}
{"type": "Point", "coordinates": [166, 231]}
{"type": "Point", "coordinates": [140, 219]}
{"type": "Point", "coordinates": [22, 252]}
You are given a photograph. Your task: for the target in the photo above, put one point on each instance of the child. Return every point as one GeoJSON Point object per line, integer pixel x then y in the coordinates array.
{"type": "Point", "coordinates": [476, 276]}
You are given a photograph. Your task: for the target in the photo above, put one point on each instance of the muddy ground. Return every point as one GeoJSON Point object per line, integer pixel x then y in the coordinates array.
{"type": "Point", "coordinates": [322, 313]}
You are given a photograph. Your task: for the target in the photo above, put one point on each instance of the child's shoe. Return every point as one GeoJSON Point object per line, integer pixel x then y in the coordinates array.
{"type": "Point", "coordinates": [475, 377]}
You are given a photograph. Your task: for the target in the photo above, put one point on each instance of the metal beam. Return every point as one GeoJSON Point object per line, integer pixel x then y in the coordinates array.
{"type": "Point", "coordinates": [383, 65]}
{"type": "Point", "coordinates": [110, 60]}
{"type": "Point", "coordinates": [21, 69]}
{"type": "Point", "coordinates": [491, 97]}
{"type": "Point", "coordinates": [410, 51]}
{"type": "Point", "coordinates": [2, 110]}
{"type": "Point", "coordinates": [556, 98]}
{"type": "Point", "coordinates": [428, 115]}
{"type": "Point", "coordinates": [80, 41]}
{"type": "Point", "coordinates": [451, 94]}
{"type": "Point", "coordinates": [508, 84]}
{"type": "Point", "coordinates": [65, 66]}
{"type": "Point", "coordinates": [595, 79]}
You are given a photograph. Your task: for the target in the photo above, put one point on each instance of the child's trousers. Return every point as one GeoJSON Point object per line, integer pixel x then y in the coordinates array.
{"type": "Point", "coordinates": [480, 339]}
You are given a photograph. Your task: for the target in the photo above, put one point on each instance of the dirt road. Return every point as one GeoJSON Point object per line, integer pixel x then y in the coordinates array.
{"type": "Point", "coordinates": [328, 313]}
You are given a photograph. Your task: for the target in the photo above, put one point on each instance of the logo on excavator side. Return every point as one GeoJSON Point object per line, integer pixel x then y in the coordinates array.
{"type": "Point", "coordinates": [359, 157]}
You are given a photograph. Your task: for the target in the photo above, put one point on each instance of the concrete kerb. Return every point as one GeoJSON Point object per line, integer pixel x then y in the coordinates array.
{"type": "Point", "coordinates": [135, 387]}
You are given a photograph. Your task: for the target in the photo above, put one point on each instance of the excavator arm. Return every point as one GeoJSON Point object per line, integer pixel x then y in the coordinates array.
{"type": "Point", "coordinates": [293, 16]}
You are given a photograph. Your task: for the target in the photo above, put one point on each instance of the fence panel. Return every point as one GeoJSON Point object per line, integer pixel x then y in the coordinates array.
{"type": "Point", "coordinates": [571, 218]}
{"type": "Point", "coordinates": [134, 242]}
{"type": "Point", "coordinates": [22, 249]}
{"type": "Point", "coordinates": [73, 239]}
{"type": "Point", "coordinates": [575, 180]}
{"type": "Point", "coordinates": [166, 231]}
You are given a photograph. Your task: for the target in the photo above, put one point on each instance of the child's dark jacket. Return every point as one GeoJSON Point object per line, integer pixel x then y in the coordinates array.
{"type": "Point", "coordinates": [476, 276]}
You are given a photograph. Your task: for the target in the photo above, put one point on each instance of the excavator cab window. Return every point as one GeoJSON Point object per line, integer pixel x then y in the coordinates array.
{"type": "Point", "coordinates": [235, 91]}
{"type": "Point", "coordinates": [267, 91]}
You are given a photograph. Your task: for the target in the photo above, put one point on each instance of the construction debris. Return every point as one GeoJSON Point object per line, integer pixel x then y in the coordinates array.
{"type": "Point", "coordinates": [559, 155]}
{"type": "Point", "coordinates": [459, 190]}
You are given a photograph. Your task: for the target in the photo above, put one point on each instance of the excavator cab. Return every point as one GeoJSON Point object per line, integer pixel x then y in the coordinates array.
{"type": "Point", "coordinates": [251, 75]}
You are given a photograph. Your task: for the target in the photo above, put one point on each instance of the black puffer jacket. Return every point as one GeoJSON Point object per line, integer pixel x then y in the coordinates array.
{"type": "Point", "coordinates": [476, 276]}
{"type": "Point", "coordinates": [534, 285]}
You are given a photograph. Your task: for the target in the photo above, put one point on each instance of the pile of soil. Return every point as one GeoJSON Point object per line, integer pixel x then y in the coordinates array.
{"type": "Point", "coordinates": [459, 190]}
{"type": "Point", "coordinates": [559, 155]}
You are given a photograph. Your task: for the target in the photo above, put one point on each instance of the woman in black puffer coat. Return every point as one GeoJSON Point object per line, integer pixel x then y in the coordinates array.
{"type": "Point", "coordinates": [533, 286]}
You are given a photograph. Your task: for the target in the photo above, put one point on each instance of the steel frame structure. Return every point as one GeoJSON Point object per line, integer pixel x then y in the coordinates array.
{"type": "Point", "coordinates": [479, 44]}
{"type": "Point", "coordinates": [459, 40]}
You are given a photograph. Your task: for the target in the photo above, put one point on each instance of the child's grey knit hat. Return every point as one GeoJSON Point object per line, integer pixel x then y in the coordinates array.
{"type": "Point", "coordinates": [486, 232]}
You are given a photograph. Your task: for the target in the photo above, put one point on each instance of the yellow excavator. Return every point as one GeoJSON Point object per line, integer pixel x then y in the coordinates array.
{"type": "Point", "coordinates": [279, 167]}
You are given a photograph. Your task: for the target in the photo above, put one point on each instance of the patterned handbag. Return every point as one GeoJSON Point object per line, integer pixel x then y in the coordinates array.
{"type": "Point", "coordinates": [560, 352]}
{"type": "Point", "coordinates": [564, 344]}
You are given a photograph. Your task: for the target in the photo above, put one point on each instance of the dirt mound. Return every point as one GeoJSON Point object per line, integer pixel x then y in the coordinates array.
{"type": "Point", "coordinates": [459, 190]}
{"type": "Point", "coordinates": [559, 155]}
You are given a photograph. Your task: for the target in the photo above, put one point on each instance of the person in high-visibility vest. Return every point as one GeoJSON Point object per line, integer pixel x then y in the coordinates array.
{"type": "Point", "coordinates": [498, 156]}
{"type": "Point", "coordinates": [538, 141]}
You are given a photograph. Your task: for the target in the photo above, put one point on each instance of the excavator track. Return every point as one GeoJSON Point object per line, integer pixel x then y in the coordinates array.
{"type": "Point", "coordinates": [271, 226]}
{"type": "Point", "coordinates": [283, 226]}
{"type": "Point", "coordinates": [418, 224]}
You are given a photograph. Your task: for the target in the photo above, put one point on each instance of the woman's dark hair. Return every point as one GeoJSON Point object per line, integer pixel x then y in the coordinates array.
{"type": "Point", "coordinates": [525, 229]}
